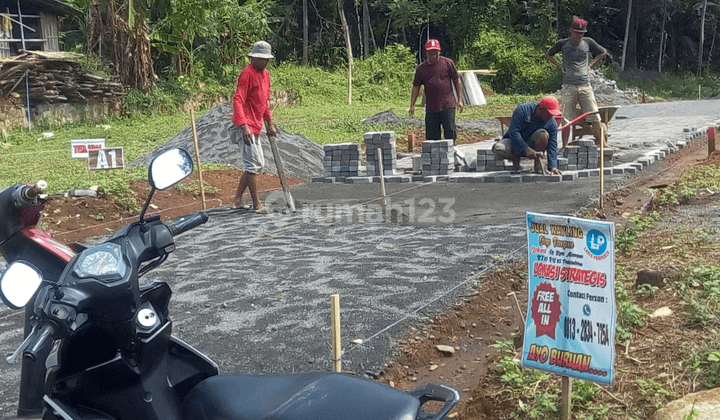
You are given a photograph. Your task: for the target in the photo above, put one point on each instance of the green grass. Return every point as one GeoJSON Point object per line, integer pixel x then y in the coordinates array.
{"type": "Point", "coordinates": [28, 157]}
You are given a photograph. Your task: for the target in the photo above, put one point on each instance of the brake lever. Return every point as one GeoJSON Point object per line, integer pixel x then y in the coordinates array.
{"type": "Point", "coordinates": [24, 345]}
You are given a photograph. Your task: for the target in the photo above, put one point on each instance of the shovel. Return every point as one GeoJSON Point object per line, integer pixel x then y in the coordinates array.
{"type": "Point", "coordinates": [281, 174]}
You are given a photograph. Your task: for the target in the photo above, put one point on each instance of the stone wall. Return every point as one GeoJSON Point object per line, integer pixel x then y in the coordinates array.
{"type": "Point", "coordinates": [12, 116]}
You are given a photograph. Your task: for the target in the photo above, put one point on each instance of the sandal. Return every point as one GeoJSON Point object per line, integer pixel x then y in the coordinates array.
{"type": "Point", "coordinates": [262, 210]}
{"type": "Point", "coordinates": [236, 206]}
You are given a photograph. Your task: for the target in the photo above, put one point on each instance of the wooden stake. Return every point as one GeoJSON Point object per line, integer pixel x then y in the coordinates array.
{"type": "Point", "coordinates": [281, 174]}
{"type": "Point", "coordinates": [411, 142]}
{"type": "Point", "coordinates": [382, 172]}
{"type": "Point", "coordinates": [711, 140]}
{"type": "Point", "coordinates": [197, 158]}
{"type": "Point", "coordinates": [566, 401]}
{"type": "Point", "coordinates": [602, 166]}
{"type": "Point", "coordinates": [335, 325]}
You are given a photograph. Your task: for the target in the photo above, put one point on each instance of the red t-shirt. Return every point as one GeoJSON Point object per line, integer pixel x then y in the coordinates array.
{"type": "Point", "coordinates": [251, 104]}
{"type": "Point", "coordinates": [438, 80]}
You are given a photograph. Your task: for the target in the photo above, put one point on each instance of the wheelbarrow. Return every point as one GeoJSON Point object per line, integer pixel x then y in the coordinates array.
{"type": "Point", "coordinates": [579, 127]}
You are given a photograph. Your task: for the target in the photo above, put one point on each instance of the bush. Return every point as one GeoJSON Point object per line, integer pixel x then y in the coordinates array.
{"type": "Point", "coordinates": [521, 68]}
{"type": "Point", "coordinates": [383, 75]}
{"type": "Point", "coordinates": [670, 86]}
{"type": "Point", "coordinates": [156, 100]}
{"type": "Point", "coordinates": [391, 68]}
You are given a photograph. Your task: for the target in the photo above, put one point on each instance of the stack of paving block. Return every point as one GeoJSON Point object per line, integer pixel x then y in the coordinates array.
{"type": "Point", "coordinates": [583, 156]}
{"type": "Point", "coordinates": [487, 161]}
{"type": "Point", "coordinates": [341, 160]}
{"type": "Point", "coordinates": [384, 140]}
{"type": "Point", "coordinates": [438, 157]}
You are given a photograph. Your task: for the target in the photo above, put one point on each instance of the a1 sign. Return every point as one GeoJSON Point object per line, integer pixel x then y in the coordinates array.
{"type": "Point", "coordinates": [110, 158]}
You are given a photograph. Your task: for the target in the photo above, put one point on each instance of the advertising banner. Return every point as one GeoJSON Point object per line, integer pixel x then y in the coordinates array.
{"type": "Point", "coordinates": [570, 323]}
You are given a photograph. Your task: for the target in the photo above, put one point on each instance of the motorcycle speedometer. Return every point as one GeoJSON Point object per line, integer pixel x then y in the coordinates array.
{"type": "Point", "coordinates": [103, 262]}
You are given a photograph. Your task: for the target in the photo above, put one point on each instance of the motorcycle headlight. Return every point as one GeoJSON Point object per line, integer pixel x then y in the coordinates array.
{"type": "Point", "coordinates": [103, 262]}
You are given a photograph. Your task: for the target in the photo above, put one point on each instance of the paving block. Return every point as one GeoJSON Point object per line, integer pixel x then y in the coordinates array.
{"type": "Point", "coordinates": [358, 180]}
{"type": "Point", "coordinates": [571, 176]}
{"type": "Point", "coordinates": [583, 174]}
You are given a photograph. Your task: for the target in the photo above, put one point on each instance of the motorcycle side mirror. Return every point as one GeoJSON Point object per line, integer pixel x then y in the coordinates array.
{"type": "Point", "coordinates": [19, 283]}
{"type": "Point", "coordinates": [166, 170]}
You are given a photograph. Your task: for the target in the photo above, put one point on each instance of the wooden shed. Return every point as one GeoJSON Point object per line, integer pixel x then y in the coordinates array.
{"type": "Point", "coordinates": [31, 25]}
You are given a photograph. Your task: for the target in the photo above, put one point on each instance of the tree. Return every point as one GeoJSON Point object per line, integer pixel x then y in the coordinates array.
{"type": "Point", "coordinates": [210, 32]}
{"type": "Point", "coordinates": [702, 37]}
{"type": "Point", "coordinates": [348, 45]}
{"type": "Point", "coordinates": [627, 33]}
{"type": "Point", "coordinates": [118, 31]}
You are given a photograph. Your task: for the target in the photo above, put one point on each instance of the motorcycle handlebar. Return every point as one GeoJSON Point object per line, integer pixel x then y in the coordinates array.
{"type": "Point", "coordinates": [43, 337]}
{"type": "Point", "coordinates": [184, 223]}
{"type": "Point", "coordinates": [32, 192]}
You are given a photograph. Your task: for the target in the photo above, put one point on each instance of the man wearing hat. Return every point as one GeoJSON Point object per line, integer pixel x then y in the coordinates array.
{"type": "Point", "coordinates": [438, 74]}
{"type": "Point", "coordinates": [576, 87]}
{"type": "Point", "coordinates": [532, 130]}
{"type": "Point", "coordinates": [251, 108]}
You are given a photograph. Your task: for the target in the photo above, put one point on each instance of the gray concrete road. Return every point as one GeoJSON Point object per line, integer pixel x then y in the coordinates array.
{"type": "Point", "coordinates": [253, 291]}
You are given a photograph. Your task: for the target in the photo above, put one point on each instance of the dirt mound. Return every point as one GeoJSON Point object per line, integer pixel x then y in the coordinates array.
{"type": "Point", "coordinates": [301, 157]}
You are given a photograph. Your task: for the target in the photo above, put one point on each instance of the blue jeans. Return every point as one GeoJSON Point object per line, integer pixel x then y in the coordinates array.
{"type": "Point", "coordinates": [444, 118]}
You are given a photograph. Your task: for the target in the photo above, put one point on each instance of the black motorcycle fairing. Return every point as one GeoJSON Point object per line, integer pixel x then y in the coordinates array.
{"type": "Point", "coordinates": [153, 384]}
{"type": "Point", "coordinates": [303, 396]}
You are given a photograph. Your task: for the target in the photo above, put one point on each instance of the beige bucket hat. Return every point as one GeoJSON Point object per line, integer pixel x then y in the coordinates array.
{"type": "Point", "coordinates": [261, 49]}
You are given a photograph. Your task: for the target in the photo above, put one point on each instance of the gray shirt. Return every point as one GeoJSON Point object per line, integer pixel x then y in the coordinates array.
{"type": "Point", "coordinates": [575, 59]}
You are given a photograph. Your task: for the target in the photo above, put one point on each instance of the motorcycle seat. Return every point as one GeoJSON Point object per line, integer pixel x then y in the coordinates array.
{"type": "Point", "coordinates": [303, 396]}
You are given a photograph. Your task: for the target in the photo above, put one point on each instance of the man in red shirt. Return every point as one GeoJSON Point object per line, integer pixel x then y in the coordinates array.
{"type": "Point", "coordinates": [438, 74]}
{"type": "Point", "coordinates": [251, 107]}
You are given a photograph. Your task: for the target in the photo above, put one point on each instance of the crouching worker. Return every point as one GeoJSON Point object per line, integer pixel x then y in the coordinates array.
{"type": "Point", "coordinates": [532, 130]}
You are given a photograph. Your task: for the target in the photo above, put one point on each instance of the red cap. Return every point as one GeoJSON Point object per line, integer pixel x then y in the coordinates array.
{"type": "Point", "coordinates": [432, 44]}
{"type": "Point", "coordinates": [551, 104]}
{"type": "Point", "coordinates": [579, 25]}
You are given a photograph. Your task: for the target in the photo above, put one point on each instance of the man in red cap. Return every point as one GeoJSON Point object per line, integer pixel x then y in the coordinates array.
{"type": "Point", "coordinates": [575, 67]}
{"type": "Point", "coordinates": [438, 74]}
{"type": "Point", "coordinates": [532, 130]}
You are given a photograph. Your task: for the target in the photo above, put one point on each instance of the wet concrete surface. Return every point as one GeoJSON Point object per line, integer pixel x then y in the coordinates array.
{"type": "Point", "coordinates": [253, 291]}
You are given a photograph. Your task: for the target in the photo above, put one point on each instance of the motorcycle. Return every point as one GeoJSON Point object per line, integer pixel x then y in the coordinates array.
{"type": "Point", "coordinates": [112, 355]}
{"type": "Point", "coordinates": [21, 240]}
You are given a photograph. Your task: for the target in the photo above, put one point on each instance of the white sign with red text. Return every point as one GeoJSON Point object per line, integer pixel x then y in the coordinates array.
{"type": "Point", "coordinates": [80, 148]}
